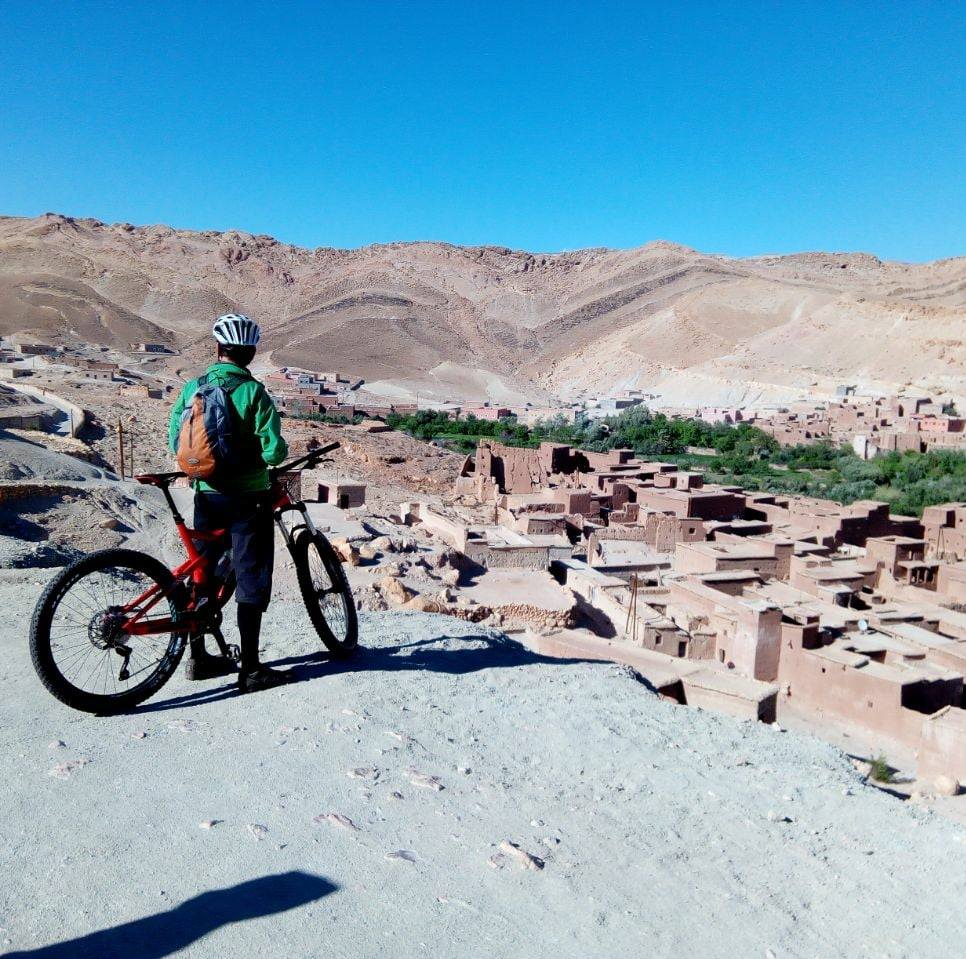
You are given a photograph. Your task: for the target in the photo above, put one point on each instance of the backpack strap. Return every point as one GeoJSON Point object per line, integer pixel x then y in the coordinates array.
{"type": "Point", "coordinates": [231, 385]}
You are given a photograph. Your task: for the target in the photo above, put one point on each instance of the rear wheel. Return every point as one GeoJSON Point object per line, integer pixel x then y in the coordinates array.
{"type": "Point", "coordinates": [325, 591]}
{"type": "Point", "coordinates": [77, 642]}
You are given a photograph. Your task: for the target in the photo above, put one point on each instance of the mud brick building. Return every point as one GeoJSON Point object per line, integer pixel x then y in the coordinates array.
{"type": "Point", "coordinates": [846, 614]}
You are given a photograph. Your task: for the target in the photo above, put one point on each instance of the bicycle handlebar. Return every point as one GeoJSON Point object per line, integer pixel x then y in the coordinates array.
{"type": "Point", "coordinates": [164, 480]}
{"type": "Point", "coordinates": [310, 458]}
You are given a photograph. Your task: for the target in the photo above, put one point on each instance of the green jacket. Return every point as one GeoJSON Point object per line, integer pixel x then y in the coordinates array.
{"type": "Point", "coordinates": [256, 414]}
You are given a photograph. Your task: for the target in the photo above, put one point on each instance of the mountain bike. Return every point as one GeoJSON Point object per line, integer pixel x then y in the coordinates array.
{"type": "Point", "coordinates": [110, 629]}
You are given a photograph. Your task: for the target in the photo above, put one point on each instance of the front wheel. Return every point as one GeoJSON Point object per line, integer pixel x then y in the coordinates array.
{"type": "Point", "coordinates": [77, 642]}
{"type": "Point", "coordinates": [325, 591]}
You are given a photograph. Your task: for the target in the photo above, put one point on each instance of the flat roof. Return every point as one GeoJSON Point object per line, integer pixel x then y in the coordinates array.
{"type": "Point", "coordinates": [730, 575]}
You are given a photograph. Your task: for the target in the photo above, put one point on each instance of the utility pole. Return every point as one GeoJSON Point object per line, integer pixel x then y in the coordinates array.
{"type": "Point", "coordinates": [632, 609]}
{"type": "Point", "coordinates": [120, 447]}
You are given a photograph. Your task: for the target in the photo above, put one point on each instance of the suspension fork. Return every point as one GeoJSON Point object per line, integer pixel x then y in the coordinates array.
{"type": "Point", "coordinates": [304, 522]}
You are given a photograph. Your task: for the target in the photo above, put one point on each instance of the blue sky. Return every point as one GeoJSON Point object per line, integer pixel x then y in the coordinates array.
{"type": "Point", "coordinates": [738, 128]}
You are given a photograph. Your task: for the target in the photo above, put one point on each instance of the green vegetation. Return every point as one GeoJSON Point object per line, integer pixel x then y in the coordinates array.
{"type": "Point", "coordinates": [335, 418]}
{"type": "Point", "coordinates": [880, 770]}
{"type": "Point", "coordinates": [741, 455]}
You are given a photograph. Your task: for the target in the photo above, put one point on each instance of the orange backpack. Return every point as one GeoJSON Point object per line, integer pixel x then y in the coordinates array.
{"type": "Point", "coordinates": [206, 447]}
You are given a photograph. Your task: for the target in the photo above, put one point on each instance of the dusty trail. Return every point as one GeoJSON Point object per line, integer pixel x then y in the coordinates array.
{"type": "Point", "coordinates": [663, 831]}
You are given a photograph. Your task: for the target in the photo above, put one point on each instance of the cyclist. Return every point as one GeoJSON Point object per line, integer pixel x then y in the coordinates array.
{"type": "Point", "coordinates": [240, 503]}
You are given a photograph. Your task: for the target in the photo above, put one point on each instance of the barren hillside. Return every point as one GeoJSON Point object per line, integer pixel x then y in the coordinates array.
{"type": "Point", "coordinates": [489, 322]}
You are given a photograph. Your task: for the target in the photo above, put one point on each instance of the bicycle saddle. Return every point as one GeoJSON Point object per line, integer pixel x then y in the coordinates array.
{"type": "Point", "coordinates": [158, 479]}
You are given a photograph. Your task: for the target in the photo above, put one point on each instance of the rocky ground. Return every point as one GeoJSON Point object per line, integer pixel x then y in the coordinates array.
{"type": "Point", "coordinates": [446, 793]}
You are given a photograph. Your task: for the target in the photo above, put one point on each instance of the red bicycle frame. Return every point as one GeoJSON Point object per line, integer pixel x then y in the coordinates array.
{"type": "Point", "coordinates": [197, 567]}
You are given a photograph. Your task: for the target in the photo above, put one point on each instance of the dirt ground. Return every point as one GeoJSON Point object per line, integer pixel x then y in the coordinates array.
{"type": "Point", "coordinates": [384, 807]}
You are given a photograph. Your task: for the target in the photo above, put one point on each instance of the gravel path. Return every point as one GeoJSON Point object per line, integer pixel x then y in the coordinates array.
{"type": "Point", "coordinates": [446, 794]}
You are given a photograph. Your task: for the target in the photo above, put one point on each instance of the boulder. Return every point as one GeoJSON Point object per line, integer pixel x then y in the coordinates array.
{"type": "Point", "coordinates": [394, 590]}
{"type": "Point", "coordinates": [369, 598]}
{"type": "Point", "coordinates": [346, 551]}
{"type": "Point", "coordinates": [368, 551]}
{"type": "Point", "coordinates": [945, 786]}
{"type": "Point", "coordinates": [423, 604]}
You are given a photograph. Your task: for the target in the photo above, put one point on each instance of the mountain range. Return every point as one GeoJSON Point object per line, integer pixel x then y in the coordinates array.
{"type": "Point", "coordinates": [488, 322]}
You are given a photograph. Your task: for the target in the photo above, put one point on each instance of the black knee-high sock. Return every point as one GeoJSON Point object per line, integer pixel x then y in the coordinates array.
{"type": "Point", "coordinates": [249, 627]}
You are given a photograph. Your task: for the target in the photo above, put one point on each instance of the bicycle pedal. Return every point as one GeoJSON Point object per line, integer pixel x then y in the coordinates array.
{"type": "Point", "coordinates": [234, 652]}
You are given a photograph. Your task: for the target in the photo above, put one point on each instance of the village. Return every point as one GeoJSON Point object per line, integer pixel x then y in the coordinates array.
{"type": "Point", "coordinates": [843, 619]}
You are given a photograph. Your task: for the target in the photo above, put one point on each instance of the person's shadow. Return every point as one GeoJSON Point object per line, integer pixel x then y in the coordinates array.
{"type": "Point", "coordinates": [168, 932]}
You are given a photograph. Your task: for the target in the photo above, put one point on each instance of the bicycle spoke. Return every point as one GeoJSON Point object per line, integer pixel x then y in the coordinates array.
{"type": "Point", "coordinates": [86, 637]}
{"type": "Point", "coordinates": [328, 594]}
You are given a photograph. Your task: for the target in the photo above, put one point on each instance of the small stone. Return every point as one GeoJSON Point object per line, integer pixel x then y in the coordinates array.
{"type": "Point", "coordinates": [496, 861]}
{"type": "Point", "coordinates": [777, 817]}
{"type": "Point", "coordinates": [337, 819]}
{"type": "Point", "coordinates": [426, 782]}
{"type": "Point", "coordinates": [363, 772]}
{"type": "Point", "coordinates": [258, 831]}
{"type": "Point", "coordinates": [140, 734]}
{"type": "Point", "coordinates": [525, 859]}
{"type": "Point", "coordinates": [464, 770]}
{"type": "Point", "coordinates": [401, 855]}
{"type": "Point", "coordinates": [57, 744]}
{"type": "Point", "coordinates": [210, 823]}
{"type": "Point", "coordinates": [395, 794]}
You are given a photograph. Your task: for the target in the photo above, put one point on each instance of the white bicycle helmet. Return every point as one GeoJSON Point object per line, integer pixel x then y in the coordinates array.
{"type": "Point", "coordinates": [236, 329]}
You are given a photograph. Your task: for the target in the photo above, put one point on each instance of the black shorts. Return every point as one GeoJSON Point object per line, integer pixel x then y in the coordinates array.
{"type": "Point", "coordinates": [248, 516]}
